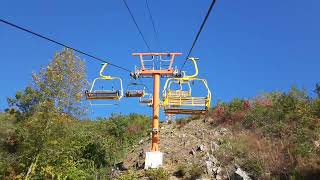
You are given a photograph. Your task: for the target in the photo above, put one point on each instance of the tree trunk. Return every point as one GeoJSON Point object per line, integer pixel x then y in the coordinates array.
{"type": "Point", "coordinates": [32, 167]}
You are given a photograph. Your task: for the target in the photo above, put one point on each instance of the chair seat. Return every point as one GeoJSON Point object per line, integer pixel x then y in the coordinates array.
{"type": "Point", "coordinates": [185, 111]}
{"type": "Point", "coordinates": [102, 95]}
{"type": "Point", "coordinates": [146, 101]}
{"type": "Point", "coordinates": [134, 94]}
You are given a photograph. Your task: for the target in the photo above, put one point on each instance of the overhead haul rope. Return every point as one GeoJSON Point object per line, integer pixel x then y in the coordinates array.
{"type": "Point", "coordinates": [153, 25]}
{"type": "Point", "coordinates": [199, 32]}
{"type": "Point", "coordinates": [137, 26]}
{"type": "Point", "coordinates": [62, 44]}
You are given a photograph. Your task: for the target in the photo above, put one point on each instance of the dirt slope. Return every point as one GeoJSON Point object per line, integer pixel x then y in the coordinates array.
{"type": "Point", "coordinates": [188, 146]}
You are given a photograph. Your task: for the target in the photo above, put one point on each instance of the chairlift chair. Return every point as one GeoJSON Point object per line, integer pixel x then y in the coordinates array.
{"type": "Point", "coordinates": [146, 99]}
{"type": "Point", "coordinates": [182, 103]}
{"type": "Point", "coordinates": [109, 94]}
{"type": "Point", "coordinates": [134, 93]}
{"type": "Point", "coordinates": [181, 92]}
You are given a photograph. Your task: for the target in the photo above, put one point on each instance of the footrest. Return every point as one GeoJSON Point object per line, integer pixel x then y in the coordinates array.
{"type": "Point", "coordinates": [134, 94]}
{"type": "Point", "coordinates": [185, 111]}
{"type": "Point", "coordinates": [145, 101]}
{"type": "Point", "coordinates": [102, 95]}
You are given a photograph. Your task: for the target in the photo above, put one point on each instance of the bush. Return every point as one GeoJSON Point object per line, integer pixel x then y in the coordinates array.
{"type": "Point", "coordinates": [181, 171]}
{"type": "Point", "coordinates": [181, 122]}
{"type": "Point", "coordinates": [277, 134]}
{"type": "Point", "coordinates": [195, 172]}
{"type": "Point", "coordinates": [157, 174]}
{"type": "Point", "coordinates": [254, 166]}
{"type": "Point", "coordinates": [230, 113]}
{"type": "Point", "coordinates": [316, 107]}
{"type": "Point", "coordinates": [129, 175]}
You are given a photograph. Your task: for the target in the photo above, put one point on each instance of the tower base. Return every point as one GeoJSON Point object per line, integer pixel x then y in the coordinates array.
{"type": "Point", "coordinates": [153, 160]}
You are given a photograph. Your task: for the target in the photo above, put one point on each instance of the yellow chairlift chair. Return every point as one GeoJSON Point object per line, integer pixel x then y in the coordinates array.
{"type": "Point", "coordinates": [135, 90]}
{"type": "Point", "coordinates": [109, 94]}
{"type": "Point", "coordinates": [181, 92]}
{"type": "Point", "coordinates": [146, 99]}
{"type": "Point", "coordinates": [181, 103]}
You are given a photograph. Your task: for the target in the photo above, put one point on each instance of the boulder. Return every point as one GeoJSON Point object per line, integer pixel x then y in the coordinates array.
{"type": "Point", "coordinates": [192, 152]}
{"type": "Point", "coordinates": [121, 166]}
{"type": "Point", "coordinates": [141, 141]}
{"type": "Point", "coordinates": [242, 174]}
{"type": "Point", "coordinates": [201, 147]}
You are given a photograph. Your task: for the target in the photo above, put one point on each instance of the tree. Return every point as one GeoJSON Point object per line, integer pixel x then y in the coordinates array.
{"type": "Point", "coordinates": [25, 102]}
{"type": "Point", "coordinates": [63, 82]}
{"type": "Point", "coordinates": [317, 90]}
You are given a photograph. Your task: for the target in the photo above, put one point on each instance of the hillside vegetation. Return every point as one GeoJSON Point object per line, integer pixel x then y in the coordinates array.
{"type": "Point", "coordinates": [44, 135]}
{"type": "Point", "coordinates": [276, 134]}
{"type": "Point", "coordinates": [272, 136]}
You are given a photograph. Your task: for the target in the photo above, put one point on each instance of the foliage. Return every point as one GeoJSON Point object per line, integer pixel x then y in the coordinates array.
{"type": "Point", "coordinates": [276, 134]}
{"type": "Point", "coordinates": [181, 171]}
{"type": "Point", "coordinates": [183, 121]}
{"type": "Point", "coordinates": [129, 175]}
{"type": "Point", "coordinates": [41, 136]}
{"type": "Point", "coordinates": [157, 174]}
{"type": "Point", "coordinates": [55, 145]}
{"type": "Point", "coordinates": [26, 102]}
{"type": "Point", "coordinates": [63, 81]}
{"type": "Point", "coordinates": [191, 172]}
{"type": "Point", "coordinates": [230, 113]}
{"type": "Point", "coordinates": [195, 172]}
{"type": "Point", "coordinates": [317, 90]}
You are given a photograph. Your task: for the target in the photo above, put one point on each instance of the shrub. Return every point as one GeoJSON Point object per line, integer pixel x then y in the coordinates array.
{"type": "Point", "coordinates": [195, 172]}
{"type": "Point", "coordinates": [235, 105]}
{"type": "Point", "coordinates": [181, 171]}
{"type": "Point", "coordinates": [278, 135]}
{"type": "Point", "coordinates": [129, 175]}
{"type": "Point", "coordinates": [181, 122]}
{"type": "Point", "coordinates": [316, 107]}
{"type": "Point", "coordinates": [230, 113]}
{"type": "Point", "coordinates": [254, 166]}
{"type": "Point", "coordinates": [157, 174]}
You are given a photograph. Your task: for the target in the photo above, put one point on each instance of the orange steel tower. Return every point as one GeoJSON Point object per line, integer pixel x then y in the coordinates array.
{"type": "Point", "coordinates": [155, 65]}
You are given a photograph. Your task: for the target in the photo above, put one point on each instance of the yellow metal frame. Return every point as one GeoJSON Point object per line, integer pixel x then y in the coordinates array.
{"type": "Point", "coordinates": [179, 92]}
{"type": "Point", "coordinates": [177, 101]}
{"type": "Point", "coordinates": [108, 78]}
{"type": "Point", "coordinates": [169, 100]}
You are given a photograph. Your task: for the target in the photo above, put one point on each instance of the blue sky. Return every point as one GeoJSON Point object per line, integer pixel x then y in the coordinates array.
{"type": "Point", "coordinates": [246, 48]}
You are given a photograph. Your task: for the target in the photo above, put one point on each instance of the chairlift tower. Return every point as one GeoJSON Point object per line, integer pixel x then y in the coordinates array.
{"type": "Point", "coordinates": [155, 65]}
{"type": "Point", "coordinates": [179, 100]}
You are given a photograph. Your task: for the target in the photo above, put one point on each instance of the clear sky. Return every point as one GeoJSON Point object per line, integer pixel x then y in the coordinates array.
{"type": "Point", "coordinates": [247, 47]}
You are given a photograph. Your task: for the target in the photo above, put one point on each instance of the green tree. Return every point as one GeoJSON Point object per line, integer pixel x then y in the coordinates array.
{"type": "Point", "coordinates": [317, 90]}
{"type": "Point", "coordinates": [25, 102]}
{"type": "Point", "coordinates": [63, 82]}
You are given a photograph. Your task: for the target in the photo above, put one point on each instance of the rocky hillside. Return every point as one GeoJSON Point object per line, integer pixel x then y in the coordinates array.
{"type": "Point", "coordinates": [189, 148]}
{"type": "Point", "coordinates": [275, 135]}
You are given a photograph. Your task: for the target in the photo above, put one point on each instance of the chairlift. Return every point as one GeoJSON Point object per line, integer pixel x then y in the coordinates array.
{"type": "Point", "coordinates": [102, 94]}
{"type": "Point", "coordinates": [146, 99]}
{"type": "Point", "coordinates": [135, 90]}
{"type": "Point", "coordinates": [182, 91]}
{"type": "Point", "coordinates": [177, 102]}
